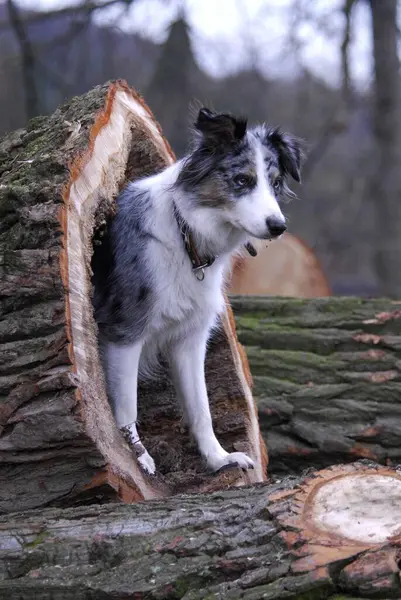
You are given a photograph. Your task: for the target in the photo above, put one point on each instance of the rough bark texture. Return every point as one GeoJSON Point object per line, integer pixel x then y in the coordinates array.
{"type": "Point", "coordinates": [44, 451]}
{"type": "Point", "coordinates": [326, 376]}
{"type": "Point", "coordinates": [58, 440]}
{"type": "Point", "coordinates": [248, 543]}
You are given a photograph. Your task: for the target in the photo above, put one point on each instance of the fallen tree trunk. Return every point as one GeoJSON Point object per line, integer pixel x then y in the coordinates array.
{"type": "Point", "coordinates": [58, 440]}
{"type": "Point", "coordinates": [327, 378]}
{"type": "Point", "coordinates": [335, 532]}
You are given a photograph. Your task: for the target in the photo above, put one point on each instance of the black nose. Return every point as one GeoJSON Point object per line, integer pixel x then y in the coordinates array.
{"type": "Point", "coordinates": [276, 227]}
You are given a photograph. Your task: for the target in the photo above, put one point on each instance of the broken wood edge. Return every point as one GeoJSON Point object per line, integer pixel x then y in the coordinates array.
{"type": "Point", "coordinates": [258, 447]}
{"type": "Point", "coordinates": [110, 141]}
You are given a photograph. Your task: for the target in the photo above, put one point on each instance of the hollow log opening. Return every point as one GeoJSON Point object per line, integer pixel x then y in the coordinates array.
{"type": "Point", "coordinates": [59, 444]}
{"type": "Point", "coordinates": [180, 468]}
{"type": "Point", "coordinates": [90, 201]}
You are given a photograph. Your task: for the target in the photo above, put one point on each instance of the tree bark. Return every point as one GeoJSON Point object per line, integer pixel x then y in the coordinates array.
{"type": "Point", "coordinates": [385, 186]}
{"type": "Point", "coordinates": [310, 538]}
{"type": "Point", "coordinates": [326, 377]}
{"type": "Point", "coordinates": [58, 440]}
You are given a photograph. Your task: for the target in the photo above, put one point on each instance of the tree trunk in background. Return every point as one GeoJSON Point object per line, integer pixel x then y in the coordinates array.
{"type": "Point", "coordinates": [327, 378]}
{"type": "Point", "coordinates": [386, 179]}
{"type": "Point", "coordinates": [171, 89]}
{"type": "Point", "coordinates": [300, 539]}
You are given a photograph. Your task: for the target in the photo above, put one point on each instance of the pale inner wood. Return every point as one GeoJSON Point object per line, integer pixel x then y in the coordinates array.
{"type": "Point", "coordinates": [100, 178]}
{"type": "Point", "coordinates": [365, 508]}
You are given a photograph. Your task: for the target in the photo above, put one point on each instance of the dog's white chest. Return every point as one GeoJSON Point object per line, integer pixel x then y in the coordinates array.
{"type": "Point", "coordinates": [180, 299]}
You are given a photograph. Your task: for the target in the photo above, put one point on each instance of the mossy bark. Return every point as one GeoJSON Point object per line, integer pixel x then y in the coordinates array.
{"type": "Point", "coordinates": [326, 377]}
{"type": "Point", "coordinates": [44, 451]}
{"type": "Point", "coordinates": [248, 543]}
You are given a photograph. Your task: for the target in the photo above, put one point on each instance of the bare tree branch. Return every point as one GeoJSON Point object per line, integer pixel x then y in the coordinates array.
{"type": "Point", "coordinates": [30, 62]}
{"type": "Point", "coordinates": [346, 80]}
{"type": "Point", "coordinates": [86, 8]}
{"type": "Point", "coordinates": [338, 122]}
{"type": "Point", "coordinates": [334, 126]}
{"type": "Point", "coordinates": [27, 56]}
{"type": "Point", "coordinates": [73, 31]}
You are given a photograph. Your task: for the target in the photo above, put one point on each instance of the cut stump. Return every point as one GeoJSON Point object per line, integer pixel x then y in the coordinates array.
{"type": "Point", "coordinates": [336, 531]}
{"type": "Point", "coordinates": [59, 444]}
{"type": "Point", "coordinates": [286, 267]}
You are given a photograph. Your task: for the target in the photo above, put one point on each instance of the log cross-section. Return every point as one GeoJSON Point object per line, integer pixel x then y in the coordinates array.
{"type": "Point", "coordinates": [58, 440]}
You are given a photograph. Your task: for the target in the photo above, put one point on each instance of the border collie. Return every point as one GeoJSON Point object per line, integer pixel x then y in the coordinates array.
{"type": "Point", "coordinates": [159, 274]}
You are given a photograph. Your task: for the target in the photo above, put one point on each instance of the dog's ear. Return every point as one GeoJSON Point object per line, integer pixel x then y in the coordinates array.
{"type": "Point", "coordinates": [220, 129]}
{"type": "Point", "coordinates": [290, 152]}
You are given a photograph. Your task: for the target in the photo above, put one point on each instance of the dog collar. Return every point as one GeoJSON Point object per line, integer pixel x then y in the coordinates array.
{"type": "Point", "coordinates": [198, 264]}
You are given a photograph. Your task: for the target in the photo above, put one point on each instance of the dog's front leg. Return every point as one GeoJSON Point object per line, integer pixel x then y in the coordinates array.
{"type": "Point", "coordinates": [121, 365]}
{"type": "Point", "coordinates": [188, 371]}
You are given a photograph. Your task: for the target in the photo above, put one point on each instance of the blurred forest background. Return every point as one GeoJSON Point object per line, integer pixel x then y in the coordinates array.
{"type": "Point", "coordinates": [327, 70]}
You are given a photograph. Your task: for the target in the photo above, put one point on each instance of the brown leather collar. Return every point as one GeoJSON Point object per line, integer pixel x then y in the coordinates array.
{"type": "Point", "coordinates": [199, 264]}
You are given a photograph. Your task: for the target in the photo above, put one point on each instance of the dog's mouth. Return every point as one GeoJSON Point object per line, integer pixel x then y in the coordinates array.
{"type": "Point", "coordinates": [268, 236]}
{"type": "Point", "coordinates": [273, 237]}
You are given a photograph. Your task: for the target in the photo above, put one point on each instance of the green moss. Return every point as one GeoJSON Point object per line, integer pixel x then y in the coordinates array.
{"type": "Point", "coordinates": [181, 586]}
{"type": "Point", "coordinates": [319, 594]}
{"type": "Point", "coordinates": [39, 539]}
{"type": "Point", "coordinates": [36, 123]}
{"type": "Point", "coordinates": [272, 386]}
{"type": "Point", "coordinates": [299, 368]}
{"type": "Point", "coordinates": [188, 582]}
{"type": "Point", "coordinates": [337, 597]}
{"type": "Point", "coordinates": [248, 321]}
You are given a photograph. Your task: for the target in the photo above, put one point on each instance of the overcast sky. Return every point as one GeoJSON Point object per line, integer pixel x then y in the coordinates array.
{"type": "Point", "coordinates": [231, 34]}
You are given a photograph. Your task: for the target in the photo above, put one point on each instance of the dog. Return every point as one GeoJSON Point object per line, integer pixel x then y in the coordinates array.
{"type": "Point", "coordinates": [159, 274]}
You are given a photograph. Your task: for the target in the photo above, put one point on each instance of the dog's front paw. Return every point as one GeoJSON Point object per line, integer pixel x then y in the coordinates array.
{"type": "Point", "coordinates": [145, 460]}
{"type": "Point", "coordinates": [227, 461]}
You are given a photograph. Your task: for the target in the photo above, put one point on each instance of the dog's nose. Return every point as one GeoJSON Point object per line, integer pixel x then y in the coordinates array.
{"type": "Point", "coordinates": [276, 227]}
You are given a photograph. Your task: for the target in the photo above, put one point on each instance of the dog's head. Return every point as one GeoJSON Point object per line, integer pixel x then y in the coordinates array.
{"type": "Point", "coordinates": [241, 172]}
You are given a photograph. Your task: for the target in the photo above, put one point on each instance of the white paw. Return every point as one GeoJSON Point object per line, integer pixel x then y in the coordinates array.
{"type": "Point", "coordinates": [235, 459]}
{"type": "Point", "coordinates": [147, 463]}
{"type": "Point", "coordinates": [145, 460]}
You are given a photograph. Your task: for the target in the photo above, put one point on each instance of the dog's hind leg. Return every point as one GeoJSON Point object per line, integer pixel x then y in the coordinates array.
{"type": "Point", "coordinates": [122, 362]}
{"type": "Point", "coordinates": [188, 371]}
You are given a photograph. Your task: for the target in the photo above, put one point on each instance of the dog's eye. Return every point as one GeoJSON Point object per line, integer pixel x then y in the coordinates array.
{"type": "Point", "coordinates": [242, 180]}
{"type": "Point", "coordinates": [277, 184]}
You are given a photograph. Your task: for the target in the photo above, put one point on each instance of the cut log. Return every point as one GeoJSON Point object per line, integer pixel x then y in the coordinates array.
{"type": "Point", "coordinates": [327, 378]}
{"type": "Point", "coordinates": [58, 440]}
{"type": "Point", "coordinates": [334, 533]}
{"type": "Point", "coordinates": [286, 267]}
